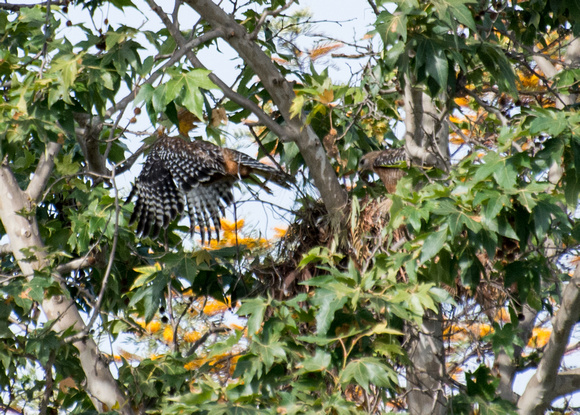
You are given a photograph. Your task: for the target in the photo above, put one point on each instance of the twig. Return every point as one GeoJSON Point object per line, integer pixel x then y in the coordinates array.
{"type": "Point", "coordinates": [49, 381]}
{"type": "Point", "coordinates": [267, 14]}
{"type": "Point", "coordinates": [266, 152]}
{"type": "Point", "coordinates": [374, 7]}
{"type": "Point", "coordinates": [128, 163]}
{"type": "Point", "coordinates": [204, 337]}
{"type": "Point", "coordinates": [244, 102]}
{"type": "Point", "coordinates": [97, 306]}
{"type": "Point", "coordinates": [17, 7]}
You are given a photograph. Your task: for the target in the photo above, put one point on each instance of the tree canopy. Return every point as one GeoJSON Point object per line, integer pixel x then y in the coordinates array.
{"type": "Point", "coordinates": [437, 298]}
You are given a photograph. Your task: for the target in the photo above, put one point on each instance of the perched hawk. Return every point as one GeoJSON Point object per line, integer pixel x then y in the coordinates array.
{"type": "Point", "coordinates": [387, 165]}
{"type": "Point", "coordinates": [198, 174]}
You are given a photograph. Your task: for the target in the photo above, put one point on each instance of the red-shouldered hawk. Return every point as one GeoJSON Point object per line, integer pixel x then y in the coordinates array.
{"type": "Point", "coordinates": [198, 174]}
{"type": "Point", "coordinates": [387, 164]}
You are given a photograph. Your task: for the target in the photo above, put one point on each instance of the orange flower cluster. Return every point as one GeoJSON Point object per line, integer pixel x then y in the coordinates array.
{"type": "Point", "coordinates": [217, 362]}
{"type": "Point", "coordinates": [231, 236]}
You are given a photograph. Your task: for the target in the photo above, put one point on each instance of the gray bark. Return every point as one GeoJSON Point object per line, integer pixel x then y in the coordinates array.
{"type": "Point", "coordinates": [425, 386]}
{"type": "Point", "coordinates": [426, 140]}
{"type": "Point", "coordinates": [23, 233]}
{"type": "Point", "coordinates": [333, 195]}
{"type": "Point", "coordinates": [541, 388]}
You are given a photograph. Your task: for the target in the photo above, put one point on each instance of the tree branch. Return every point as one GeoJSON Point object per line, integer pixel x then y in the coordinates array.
{"type": "Point", "coordinates": [296, 129]}
{"type": "Point", "coordinates": [374, 7]}
{"type": "Point", "coordinates": [42, 172]}
{"type": "Point", "coordinates": [541, 388]}
{"type": "Point", "coordinates": [227, 91]}
{"type": "Point", "coordinates": [506, 364]}
{"type": "Point", "coordinates": [265, 15]}
{"type": "Point", "coordinates": [204, 337]}
{"type": "Point", "coordinates": [76, 264]}
{"type": "Point", "coordinates": [17, 7]}
{"type": "Point", "coordinates": [421, 124]}
{"type": "Point", "coordinates": [24, 235]}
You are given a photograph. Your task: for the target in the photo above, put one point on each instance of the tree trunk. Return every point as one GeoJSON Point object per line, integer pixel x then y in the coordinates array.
{"type": "Point", "coordinates": [23, 234]}
{"type": "Point", "coordinates": [425, 386]}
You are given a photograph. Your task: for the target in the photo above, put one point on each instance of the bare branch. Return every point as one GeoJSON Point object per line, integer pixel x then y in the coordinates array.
{"type": "Point", "coordinates": [566, 383]}
{"type": "Point", "coordinates": [76, 264]}
{"type": "Point", "coordinates": [265, 15]}
{"type": "Point", "coordinates": [175, 57]}
{"type": "Point", "coordinates": [48, 383]}
{"type": "Point", "coordinates": [505, 363]}
{"type": "Point", "coordinates": [24, 235]}
{"type": "Point", "coordinates": [17, 7]}
{"type": "Point", "coordinates": [374, 7]}
{"type": "Point", "coordinates": [128, 163]}
{"type": "Point", "coordinates": [417, 105]}
{"type": "Point", "coordinates": [42, 172]}
{"type": "Point", "coordinates": [227, 91]}
{"type": "Point", "coordinates": [204, 337]}
{"type": "Point", "coordinates": [296, 129]}
{"type": "Point", "coordinates": [540, 390]}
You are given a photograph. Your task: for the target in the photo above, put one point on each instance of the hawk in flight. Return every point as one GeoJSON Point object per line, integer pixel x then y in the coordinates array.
{"type": "Point", "coordinates": [197, 174]}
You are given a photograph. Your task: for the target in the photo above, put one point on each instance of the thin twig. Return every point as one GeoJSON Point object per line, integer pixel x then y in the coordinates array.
{"type": "Point", "coordinates": [265, 15]}
{"type": "Point", "coordinates": [204, 337]}
{"type": "Point", "coordinates": [17, 7]}
{"type": "Point", "coordinates": [244, 102]}
{"type": "Point", "coordinates": [374, 7]}
{"type": "Point", "coordinates": [49, 381]}
{"type": "Point", "coordinates": [97, 306]}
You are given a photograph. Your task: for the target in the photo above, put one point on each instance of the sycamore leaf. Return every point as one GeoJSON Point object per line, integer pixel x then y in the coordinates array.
{"type": "Point", "coordinates": [369, 371]}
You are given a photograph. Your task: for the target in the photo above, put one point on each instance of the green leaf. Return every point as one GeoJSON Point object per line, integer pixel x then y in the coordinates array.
{"type": "Point", "coordinates": [505, 174]}
{"type": "Point", "coordinates": [146, 274]}
{"type": "Point", "coordinates": [433, 58]}
{"type": "Point", "coordinates": [497, 64]}
{"type": "Point", "coordinates": [392, 28]}
{"type": "Point", "coordinates": [317, 363]}
{"type": "Point", "coordinates": [433, 244]}
{"type": "Point", "coordinates": [255, 308]}
{"type": "Point", "coordinates": [462, 13]}
{"type": "Point", "coordinates": [269, 353]}
{"type": "Point", "coordinates": [368, 371]}
{"type": "Point", "coordinates": [328, 303]}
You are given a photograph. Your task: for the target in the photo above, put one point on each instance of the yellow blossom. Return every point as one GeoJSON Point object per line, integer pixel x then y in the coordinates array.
{"type": "Point", "coordinates": [153, 327]}
{"type": "Point", "coordinates": [484, 330]}
{"type": "Point", "coordinates": [280, 232]}
{"type": "Point", "coordinates": [214, 307]}
{"type": "Point", "coordinates": [168, 334]}
{"type": "Point", "coordinates": [540, 337]}
{"type": "Point", "coordinates": [529, 81]}
{"type": "Point", "coordinates": [461, 101]}
{"type": "Point", "coordinates": [456, 139]}
{"type": "Point", "coordinates": [191, 337]}
{"type": "Point", "coordinates": [229, 226]}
